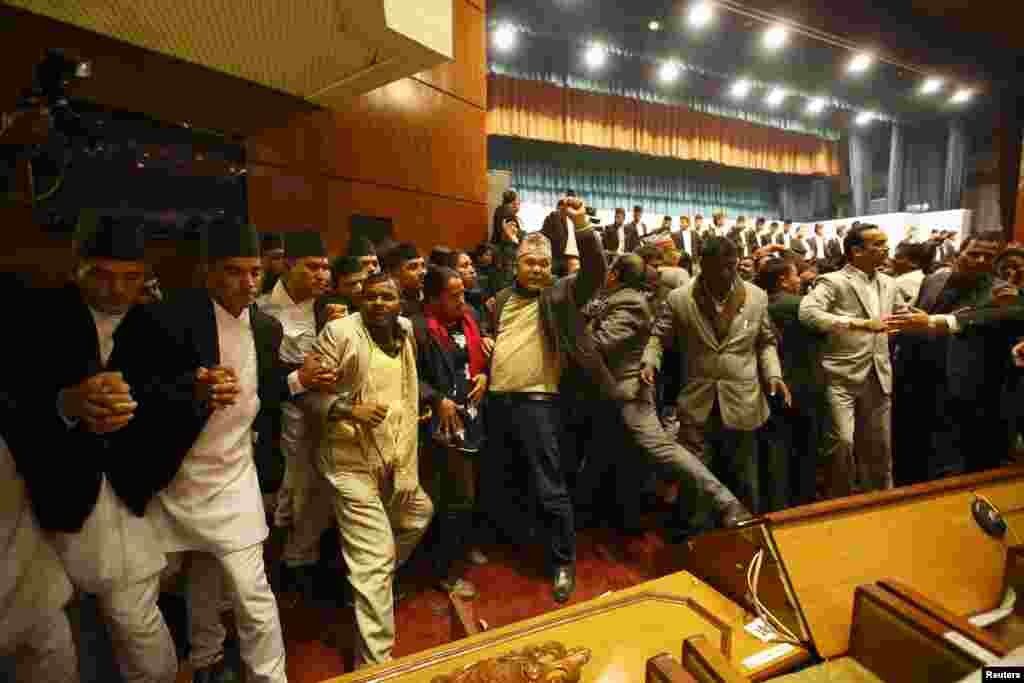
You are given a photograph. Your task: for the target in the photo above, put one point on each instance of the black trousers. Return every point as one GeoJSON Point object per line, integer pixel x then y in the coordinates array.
{"type": "Point", "coordinates": [529, 432]}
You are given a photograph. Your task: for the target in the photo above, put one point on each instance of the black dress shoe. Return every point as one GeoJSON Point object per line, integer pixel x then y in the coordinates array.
{"type": "Point", "coordinates": [565, 582]}
{"type": "Point", "coordinates": [735, 514]}
{"type": "Point", "coordinates": [215, 673]}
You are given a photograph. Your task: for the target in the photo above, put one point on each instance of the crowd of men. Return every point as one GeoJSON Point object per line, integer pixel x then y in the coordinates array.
{"type": "Point", "coordinates": [544, 382]}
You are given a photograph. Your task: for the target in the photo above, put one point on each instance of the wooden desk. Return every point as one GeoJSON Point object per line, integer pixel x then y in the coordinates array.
{"type": "Point", "coordinates": [623, 630]}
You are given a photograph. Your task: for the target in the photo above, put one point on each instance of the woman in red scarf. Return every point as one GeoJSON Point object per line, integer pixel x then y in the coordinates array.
{"type": "Point", "coordinates": [452, 366]}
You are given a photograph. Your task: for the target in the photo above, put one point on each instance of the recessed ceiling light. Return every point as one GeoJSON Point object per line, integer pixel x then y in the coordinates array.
{"type": "Point", "coordinates": [860, 63]}
{"type": "Point", "coordinates": [595, 56]}
{"type": "Point", "coordinates": [505, 38]}
{"type": "Point", "coordinates": [701, 14]}
{"type": "Point", "coordinates": [962, 95]}
{"type": "Point", "coordinates": [931, 86]}
{"type": "Point", "coordinates": [668, 72]}
{"type": "Point", "coordinates": [864, 118]}
{"type": "Point", "coordinates": [816, 105]}
{"type": "Point", "coordinates": [740, 88]}
{"type": "Point", "coordinates": [775, 97]}
{"type": "Point", "coordinates": [654, 25]}
{"type": "Point", "coordinates": [775, 37]}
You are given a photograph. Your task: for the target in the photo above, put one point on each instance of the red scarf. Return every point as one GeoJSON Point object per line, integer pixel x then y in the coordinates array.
{"type": "Point", "coordinates": [477, 362]}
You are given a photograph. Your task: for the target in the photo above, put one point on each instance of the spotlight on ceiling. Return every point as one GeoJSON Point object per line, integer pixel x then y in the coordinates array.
{"type": "Point", "coordinates": [962, 96]}
{"type": "Point", "coordinates": [701, 14]}
{"type": "Point", "coordinates": [740, 88]}
{"type": "Point", "coordinates": [860, 63]}
{"type": "Point", "coordinates": [816, 106]}
{"type": "Point", "coordinates": [669, 72]}
{"type": "Point", "coordinates": [505, 38]}
{"type": "Point", "coordinates": [775, 37]}
{"type": "Point", "coordinates": [864, 118]}
{"type": "Point", "coordinates": [595, 56]}
{"type": "Point", "coordinates": [775, 97]}
{"type": "Point", "coordinates": [931, 86]}
{"type": "Point", "coordinates": [654, 25]}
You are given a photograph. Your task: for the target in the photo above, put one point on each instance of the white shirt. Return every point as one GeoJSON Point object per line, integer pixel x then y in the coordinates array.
{"type": "Point", "coordinates": [819, 247]}
{"type": "Point", "coordinates": [214, 503]}
{"type": "Point", "coordinates": [622, 239]}
{"type": "Point", "coordinates": [106, 326]}
{"type": "Point", "coordinates": [686, 237]}
{"type": "Point", "coordinates": [299, 323]}
{"type": "Point", "coordinates": [570, 242]}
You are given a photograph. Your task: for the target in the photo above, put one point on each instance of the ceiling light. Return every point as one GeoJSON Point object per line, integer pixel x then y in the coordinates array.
{"type": "Point", "coordinates": [864, 118]}
{"type": "Point", "coordinates": [816, 105]}
{"type": "Point", "coordinates": [740, 88]}
{"type": "Point", "coordinates": [595, 56]}
{"type": "Point", "coordinates": [775, 37]}
{"type": "Point", "coordinates": [654, 25]}
{"type": "Point", "coordinates": [668, 72]}
{"type": "Point", "coordinates": [701, 14]}
{"type": "Point", "coordinates": [931, 86]}
{"type": "Point", "coordinates": [775, 97]}
{"type": "Point", "coordinates": [505, 38]}
{"type": "Point", "coordinates": [860, 63]}
{"type": "Point", "coordinates": [962, 95]}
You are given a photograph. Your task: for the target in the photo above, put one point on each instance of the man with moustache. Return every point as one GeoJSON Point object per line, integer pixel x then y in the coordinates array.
{"type": "Point", "coordinates": [406, 265]}
{"type": "Point", "coordinates": [348, 276]}
{"type": "Point", "coordinates": [272, 248]}
{"type": "Point", "coordinates": [620, 238]}
{"type": "Point", "coordinates": [219, 381]}
{"type": "Point", "coordinates": [363, 250]}
{"type": "Point", "coordinates": [369, 455]}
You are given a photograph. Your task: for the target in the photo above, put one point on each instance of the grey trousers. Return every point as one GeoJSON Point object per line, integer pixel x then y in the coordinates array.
{"type": "Point", "coordinates": [859, 438]}
{"type": "Point", "coordinates": [671, 460]}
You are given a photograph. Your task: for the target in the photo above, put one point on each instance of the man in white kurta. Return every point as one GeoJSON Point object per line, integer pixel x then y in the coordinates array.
{"type": "Point", "coordinates": [35, 636]}
{"type": "Point", "coordinates": [304, 500]}
{"type": "Point", "coordinates": [369, 455]}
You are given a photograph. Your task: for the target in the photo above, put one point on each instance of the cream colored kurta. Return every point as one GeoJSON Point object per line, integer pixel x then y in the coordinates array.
{"type": "Point", "coordinates": [522, 362]}
{"type": "Point", "coordinates": [214, 503]}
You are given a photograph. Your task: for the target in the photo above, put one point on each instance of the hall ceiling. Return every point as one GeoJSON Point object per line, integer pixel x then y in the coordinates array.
{"type": "Point", "coordinates": [969, 44]}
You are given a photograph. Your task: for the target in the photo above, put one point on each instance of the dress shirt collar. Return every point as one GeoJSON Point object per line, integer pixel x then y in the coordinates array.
{"type": "Point", "coordinates": [279, 296]}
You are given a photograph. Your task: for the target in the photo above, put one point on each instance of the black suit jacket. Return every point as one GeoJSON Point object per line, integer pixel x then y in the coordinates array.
{"type": "Point", "coordinates": [556, 229]}
{"type": "Point", "coordinates": [158, 349]}
{"type": "Point", "coordinates": [62, 467]}
{"type": "Point", "coordinates": [765, 239]}
{"type": "Point", "coordinates": [696, 242]}
{"type": "Point", "coordinates": [620, 333]}
{"type": "Point", "coordinates": [752, 243]}
{"type": "Point", "coordinates": [610, 238]}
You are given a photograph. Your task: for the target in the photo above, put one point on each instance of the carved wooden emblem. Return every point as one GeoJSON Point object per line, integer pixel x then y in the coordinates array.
{"type": "Point", "coordinates": [548, 663]}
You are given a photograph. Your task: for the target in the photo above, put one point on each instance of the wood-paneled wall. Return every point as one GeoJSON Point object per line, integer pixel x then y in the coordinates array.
{"type": "Point", "coordinates": [414, 151]}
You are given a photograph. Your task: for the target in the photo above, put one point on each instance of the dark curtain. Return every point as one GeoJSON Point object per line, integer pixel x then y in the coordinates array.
{"type": "Point", "coordinates": [896, 148]}
{"type": "Point", "coordinates": [860, 172]}
{"type": "Point", "coordinates": [924, 158]}
{"type": "Point", "coordinates": [805, 199]}
{"type": "Point", "coordinates": [956, 156]}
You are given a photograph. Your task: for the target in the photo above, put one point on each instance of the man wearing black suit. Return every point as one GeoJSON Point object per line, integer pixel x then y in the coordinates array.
{"type": "Point", "coordinates": [766, 235]}
{"type": "Point", "coordinates": [816, 246]}
{"type": "Point", "coordinates": [80, 407]}
{"type": "Point", "coordinates": [750, 234]}
{"type": "Point", "coordinates": [834, 247]}
{"type": "Point", "coordinates": [638, 224]}
{"type": "Point", "coordinates": [687, 240]}
{"type": "Point", "coordinates": [563, 240]}
{"type": "Point", "coordinates": [785, 236]}
{"type": "Point", "coordinates": [219, 381]}
{"type": "Point", "coordinates": [619, 238]}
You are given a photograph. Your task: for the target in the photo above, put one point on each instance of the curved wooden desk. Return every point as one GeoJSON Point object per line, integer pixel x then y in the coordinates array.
{"type": "Point", "coordinates": [623, 630]}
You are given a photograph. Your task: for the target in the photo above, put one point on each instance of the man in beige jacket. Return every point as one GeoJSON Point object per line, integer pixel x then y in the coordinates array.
{"type": "Point", "coordinates": [368, 453]}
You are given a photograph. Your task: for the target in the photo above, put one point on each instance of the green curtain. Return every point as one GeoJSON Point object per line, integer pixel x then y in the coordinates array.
{"type": "Point", "coordinates": [542, 171]}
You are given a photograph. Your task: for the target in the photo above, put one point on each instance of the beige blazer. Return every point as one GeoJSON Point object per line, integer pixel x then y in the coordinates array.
{"type": "Point", "coordinates": [730, 371]}
{"type": "Point", "coordinates": [849, 356]}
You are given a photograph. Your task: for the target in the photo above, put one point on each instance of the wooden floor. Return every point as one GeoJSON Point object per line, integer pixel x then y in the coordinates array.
{"type": "Point", "coordinates": [319, 639]}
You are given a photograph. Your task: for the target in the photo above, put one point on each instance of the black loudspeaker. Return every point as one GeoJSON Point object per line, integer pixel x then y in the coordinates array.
{"type": "Point", "coordinates": [373, 228]}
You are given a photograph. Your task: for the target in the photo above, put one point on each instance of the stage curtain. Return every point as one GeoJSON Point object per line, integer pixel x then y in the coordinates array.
{"type": "Point", "coordinates": [612, 122]}
{"type": "Point", "coordinates": [541, 172]}
{"type": "Point", "coordinates": [924, 160]}
{"type": "Point", "coordinates": [860, 172]}
{"type": "Point", "coordinates": [804, 199]}
{"type": "Point", "coordinates": [956, 155]}
{"type": "Point", "coordinates": [529, 109]}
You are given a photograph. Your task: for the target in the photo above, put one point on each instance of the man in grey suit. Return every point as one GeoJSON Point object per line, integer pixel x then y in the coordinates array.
{"type": "Point", "coordinates": [851, 305]}
{"type": "Point", "coordinates": [621, 333]}
{"type": "Point", "coordinates": [721, 326]}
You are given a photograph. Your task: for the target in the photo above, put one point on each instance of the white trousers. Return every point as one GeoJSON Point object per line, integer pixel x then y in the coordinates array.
{"type": "Point", "coordinates": [143, 646]}
{"type": "Point", "coordinates": [43, 653]}
{"type": "Point", "coordinates": [304, 501]}
{"type": "Point", "coordinates": [241, 576]}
